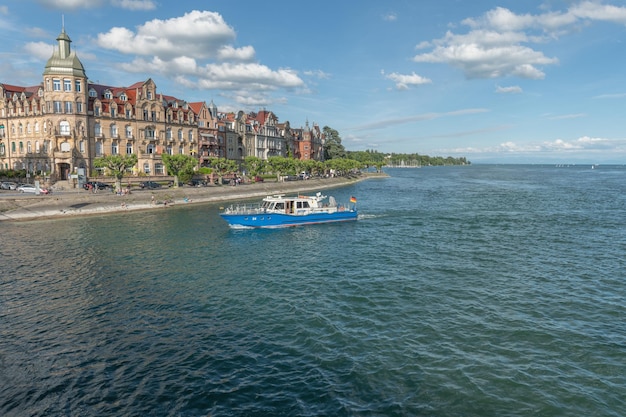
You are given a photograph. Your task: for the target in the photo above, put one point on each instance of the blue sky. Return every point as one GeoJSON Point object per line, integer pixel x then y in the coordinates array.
{"type": "Point", "coordinates": [495, 81]}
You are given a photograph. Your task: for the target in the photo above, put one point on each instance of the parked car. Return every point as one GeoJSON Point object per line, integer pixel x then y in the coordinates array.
{"type": "Point", "coordinates": [100, 185]}
{"type": "Point", "coordinates": [197, 183]}
{"type": "Point", "coordinates": [30, 188]}
{"type": "Point", "coordinates": [8, 185]}
{"type": "Point", "coordinates": [150, 184]}
{"type": "Point", "coordinates": [258, 179]}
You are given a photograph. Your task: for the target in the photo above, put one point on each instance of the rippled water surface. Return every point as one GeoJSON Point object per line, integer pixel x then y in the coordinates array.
{"type": "Point", "coordinates": [475, 291]}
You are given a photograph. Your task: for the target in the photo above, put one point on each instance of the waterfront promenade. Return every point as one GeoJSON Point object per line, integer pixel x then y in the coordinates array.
{"type": "Point", "coordinates": [81, 202]}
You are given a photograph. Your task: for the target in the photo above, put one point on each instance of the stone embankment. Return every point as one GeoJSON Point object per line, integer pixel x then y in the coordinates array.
{"type": "Point", "coordinates": [81, 202]}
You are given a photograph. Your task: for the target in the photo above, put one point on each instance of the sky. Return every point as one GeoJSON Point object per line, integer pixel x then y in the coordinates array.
{"type": "Point", "coordinates": [503, 81]}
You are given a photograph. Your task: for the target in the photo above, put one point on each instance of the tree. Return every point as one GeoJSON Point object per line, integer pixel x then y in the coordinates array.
{"type": "Point", "coordinates": [332, 145]}
{"type": "Point", "coordinates": [254, 165]}
{"type": "Point", "coordinates": [117, 165]}
{"type": "Point", "coordinates": [222, 166]}
{"type": "Point", "coordinates": [280, 165]}
{"type": "Point", "coordinates": [180, 166]}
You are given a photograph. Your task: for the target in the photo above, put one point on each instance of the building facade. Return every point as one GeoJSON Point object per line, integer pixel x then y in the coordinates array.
{"type": "Point", "coordinates": [56, 129]}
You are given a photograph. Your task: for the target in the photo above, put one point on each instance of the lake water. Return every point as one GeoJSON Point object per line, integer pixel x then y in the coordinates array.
{"type": "Point", "coordinates": [461, 291]}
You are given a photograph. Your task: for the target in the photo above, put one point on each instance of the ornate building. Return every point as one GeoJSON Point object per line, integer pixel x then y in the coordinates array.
{"type": "Point", "coordinates": [60, 126]}
{"type": "Point", "coordinates": [56, 129]}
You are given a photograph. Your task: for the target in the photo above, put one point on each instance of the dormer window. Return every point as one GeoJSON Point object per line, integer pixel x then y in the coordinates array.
{"type": "Point", "coordinates": [123, 97]}
{"type": "Point", "coordinates": [108, 95]}
{"type": "Point", "coordinates": [93, 93]}
{"type": "Point", "coordinates": [149, 95]}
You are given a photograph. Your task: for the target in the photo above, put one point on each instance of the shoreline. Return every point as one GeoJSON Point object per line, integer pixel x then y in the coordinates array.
{"type": "Point", "coordinates": [83, 203]}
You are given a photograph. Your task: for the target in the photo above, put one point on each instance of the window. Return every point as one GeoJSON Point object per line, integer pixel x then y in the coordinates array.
{"type": "Point", "coordinates": [129, 132]}
{"type": "Point", "coordinates": [190, 136]}
{"type": "Point", "coordinates": [56, 85]}
{"type": "Point", "coordinates": [81, 146]}
{"type": "Point", "coordinates": [129, 113]}
{"type": "Point", "coordinates": [129, 148]}
{"type": "Point", "coordinates": [67, 85]}
{"type": "Point", "coordinates": [146, 168]}
{"type": "Point", "coordinates": [168, 133]}
{"type": "Point", "coordinates": [79, 107]}
{"type": "Point", "coordinates": [180, 134]}
{"type": "Point", "coordinates": [64, 128]}
{"type": "Point", "coordinates": [29, 147]}
{"type": "Point", "coordinates": [149, 95]}
{"type": "Point", "coordinates": [96, 111]}
{"type": "Point", "coordinates": [145, 114]}
{"type": "Point", "coordinates": [114, 148]}
{"type": "Point", "coordinates": [97, 129]}
{"type": "Point", "coordinates": [168, 149]}
{"type": "Point", "coordinates": [2, 150]}
{"type": "Point", "coordinates": [93, 93]}
{"type": "Point", "coordinates": [158, 169]}
{"type": "Point", "coordinates": [113, 130]}
{"type": "Point", "coordinates": [151, 148]}
{"type": "Point", "coordinates": [149, 133]}
{"type": "Point", "coordinates": [21, 147]}
{"type": "Point", "coordinates": [36, 127]}
{"type": "Point", "coordinates": [108, 95]}
{"type": "Point", "coordinates": [58, 107]}
{"type": "Point", "coordinates": [113, 111]}
{"type": "Point", "coordinates": [181, 150]}
{"type": "Point", "coordinates": [77, 86]}
{"type": "Point", "coordinates": [123, 97]}
{"type": "Point", "coordinates": [153, 115]}
{"type": "Point", "coordinates": [68, 107]}
{"type": "Point", "coordinates": [12, 146]}
{"type": "Point", "coordinates": [99, 148]}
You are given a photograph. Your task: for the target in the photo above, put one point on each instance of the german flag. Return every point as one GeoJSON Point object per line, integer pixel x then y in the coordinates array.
{"type": "Point", "coordinates": [353, 199]}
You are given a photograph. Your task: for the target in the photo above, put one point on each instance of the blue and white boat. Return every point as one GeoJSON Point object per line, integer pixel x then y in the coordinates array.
{"type": "Point", "coordinates": [281, 211]}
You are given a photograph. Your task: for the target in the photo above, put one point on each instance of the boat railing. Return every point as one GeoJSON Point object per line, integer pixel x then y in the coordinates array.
{"type": "Point", "coordinates": [244, 209]}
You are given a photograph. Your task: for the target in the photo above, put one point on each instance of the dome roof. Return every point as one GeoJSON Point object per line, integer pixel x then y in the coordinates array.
{"type": "Point", "coordinates": [64, 61]}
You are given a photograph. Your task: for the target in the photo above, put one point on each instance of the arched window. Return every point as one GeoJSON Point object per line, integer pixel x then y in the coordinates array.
{"type": "Point", "coordinates": [99, 147]}
{"type": "Point", "coordinates": [146, 167]}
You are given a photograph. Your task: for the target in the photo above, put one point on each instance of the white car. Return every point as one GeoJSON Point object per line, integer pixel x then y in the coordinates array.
{"type": "Point", "coordinates": [30, 188]}
{"type": "Point", "coordinates": [8, 185]}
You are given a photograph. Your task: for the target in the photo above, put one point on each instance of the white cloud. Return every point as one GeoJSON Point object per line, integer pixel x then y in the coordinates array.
{"type": "Point", "coordinates": [86, 4]}
{"type": "Point", "coordinates": [488, 54]}
{"type": "Point", "coordinates": [610, 96]}
{"type": "Point", "coordinates": [390, 17]}
{"type": "Point", "coordinates": [200, 34]}
{"type": "Point", "coordinates": [514, 89]}
{"type": "Point", "coordinates": [386, 123]}
{"type": "Point", "coordinates": [134, 4]}
{"type": "Point", "coordinates": [4, 10]}
{"type": "Point", "coordinates": [317, 74]}
{"type": "Point", "coordinates": [197, 51]}
{"type": "Point", "coordinates": [567, 116]}
{"type": "Point", "coordinates": [403, 81]}
{"type": "Point", "coordinates": [501, 43]}
{"type": "Point", "coordinates": [40, 50]}
{"type": "Point", "coordinates": [229, 53]}
{"type": "Point", "coordinates": [71, 4]}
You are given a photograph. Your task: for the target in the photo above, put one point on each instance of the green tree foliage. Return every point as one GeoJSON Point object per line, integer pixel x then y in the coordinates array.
{"type": "Point", "coordinates": [332, 146]}
{"type": "Point", "coordinates": [117, 165]}
{"type": "Point", "coordinates": [180, 166]}
{"type": "Point", "coordinates": [254, 165]}
{"type": "Point", "coordinates": [281, 165]}
{"type": "Point", "coordinates": [222, 166]}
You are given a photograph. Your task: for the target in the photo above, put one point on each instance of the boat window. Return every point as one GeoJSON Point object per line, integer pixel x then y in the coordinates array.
{"type": "Point", "coordinates": [305, 204]}
{"type": "Point", "coordinates": [280, 206]}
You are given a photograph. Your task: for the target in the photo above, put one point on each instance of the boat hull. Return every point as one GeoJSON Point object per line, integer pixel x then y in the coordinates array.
{"type": "Point", "coordinates": [273, 220]}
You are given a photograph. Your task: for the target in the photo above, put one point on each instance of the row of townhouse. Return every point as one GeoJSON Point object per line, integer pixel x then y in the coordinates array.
{"type": "Point", "coordinates": [63, 124]}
